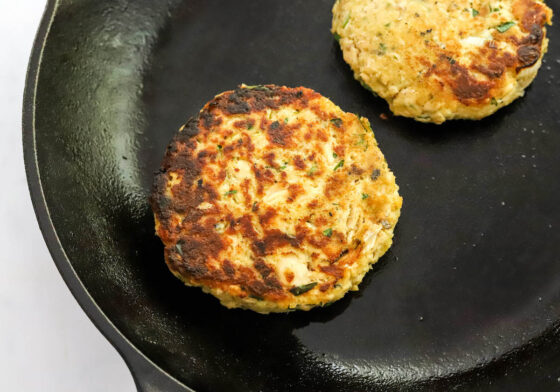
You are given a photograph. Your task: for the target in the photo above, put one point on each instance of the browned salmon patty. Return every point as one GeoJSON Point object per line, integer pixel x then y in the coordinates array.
{"type": "Point", "coordinates": [274, 199]}
{"type": "Point", "coordinates": [436, 60]}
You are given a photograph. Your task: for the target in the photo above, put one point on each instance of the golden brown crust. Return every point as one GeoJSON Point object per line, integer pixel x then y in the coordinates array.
{"type": "Point", "coordinates": [491, 62]}
{"type": "Point", "coordinates": [213, 198]}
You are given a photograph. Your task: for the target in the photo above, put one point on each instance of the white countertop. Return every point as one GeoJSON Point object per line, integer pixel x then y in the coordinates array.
{"type": "Point", "coordinates": [46, 342]}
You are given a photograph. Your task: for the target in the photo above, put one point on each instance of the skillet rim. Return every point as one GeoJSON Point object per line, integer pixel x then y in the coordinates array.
{"type": "Point", "coordinates": [144, 371]}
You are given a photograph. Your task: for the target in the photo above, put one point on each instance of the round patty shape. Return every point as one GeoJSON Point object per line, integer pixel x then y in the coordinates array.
{"type": "Point", "coordinates": [436, 60]}
{"type": "Point", "coordinates": [274, 199]}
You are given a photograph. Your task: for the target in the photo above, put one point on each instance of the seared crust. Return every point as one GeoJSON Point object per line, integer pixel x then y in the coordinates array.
{"type": "Point", "coordinates": [274, 199]}
{"type": "Point", "coordinates": [442, 59]}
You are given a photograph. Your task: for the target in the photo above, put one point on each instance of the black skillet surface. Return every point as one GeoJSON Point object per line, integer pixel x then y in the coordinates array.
{"type": "Point", "coordinates": [468, 297]}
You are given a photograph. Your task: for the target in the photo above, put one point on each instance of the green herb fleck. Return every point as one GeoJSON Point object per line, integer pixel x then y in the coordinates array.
{"type": "Point", "coordinates": [257, 87]}
{"type": "Point", "coordinates": [474, 12]}
{"type": "Point", "coordinates": [230, 192]}
{"type": "Point", "coordinates": [327, 232]}
{"type": "Point", "coordinates": [364, 196]}
{"type": "Point", "coordinates": [284, 166]}
{"type": "Point", "coordinates": [249, 126]}
{"type": "Point", "coordinates": [334, 155]}
{"type": "Point", "coordinates": [286, 120]}
{"type": "Point", "coordinates": [179, 249]}
{"type": "Point", "coordinates": [346, 21]}
{"type": "Point", "coordinates": [362, 141]}
{"type": "Point", "coordinates": [505, 26]}
{"type": "Point", "coordinates": [382, 49]}
{"type": "Point", "coordinates": [299, 290]}
{"type": "Point", "coordinates": [387, 24]}
{"type": "Point", "coordinates": [312, 170]}
{"type": "Point", "coordinates": [339, 164]}
{"type": "Point", "coordinates": [366, 128]}
{"type": "Point", "coordinates": [336, 36]}
{"type": "Point", "coordinates": [494, 102]}
{"type": "Point", "coordinates": [219, 146]}
{"type": "Point", "coordinates": [337, 122]}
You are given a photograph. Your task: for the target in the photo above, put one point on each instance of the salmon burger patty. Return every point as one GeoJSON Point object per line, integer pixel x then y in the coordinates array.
{"type": "Point", "coordinates": [436, 60]}
{"type": "Point", "coordinates": [274, 199]}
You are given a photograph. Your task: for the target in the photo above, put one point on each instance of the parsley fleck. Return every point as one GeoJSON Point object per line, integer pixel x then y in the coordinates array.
{"type": "Point", "coordinates": [382, 49]}
{"type": "Point", "coordinates": [346, 21]}
{"type": "Point", "coordinates": [286, 120]}
{"type": "Point", "coordinates": [364, 196]}
{"type": "Point", "coordinates": [230, 192]}
{"type": "Point", "coordinates": [257, 87]}
{"type": "Point", "coordinates": [474, 12]}
{"type": "Point", "coordinates": [299, 290]}
{"type": "Point", "coordinates": [339, 164]}
{"type": "Point", "coordinates": [219, 146]}
{"type": "Point", "coordinates": [368, 128]}
{"type": "Point", "coordinates": [334, 155]}
{"type": "Point", "coordinates": [312, 170]}
{"type": "Point", "coordinates": [505, 26]}
{"type": "Point", "coordinates": [337, 122]}
{"type": "Point", "coordinates": [494, 102]}
{"type": "Point", "coordinates": [336, 36]}
{"type": "Point", "coordinates": [362, 141]}
{"type": "Point", "coordinates": [327, 232]}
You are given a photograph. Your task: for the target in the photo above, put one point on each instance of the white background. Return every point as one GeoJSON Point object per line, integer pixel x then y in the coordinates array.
{"type": "Point", "coordinates": [46, 342]}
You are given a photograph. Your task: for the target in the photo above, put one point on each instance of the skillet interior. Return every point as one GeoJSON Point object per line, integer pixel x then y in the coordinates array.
{"type": "Point", "coordinates": [474, 271]}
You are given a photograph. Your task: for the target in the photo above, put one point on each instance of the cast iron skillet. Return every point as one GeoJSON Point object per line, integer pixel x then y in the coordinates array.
{"type": "Point", "coordinates": [468, 297]}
